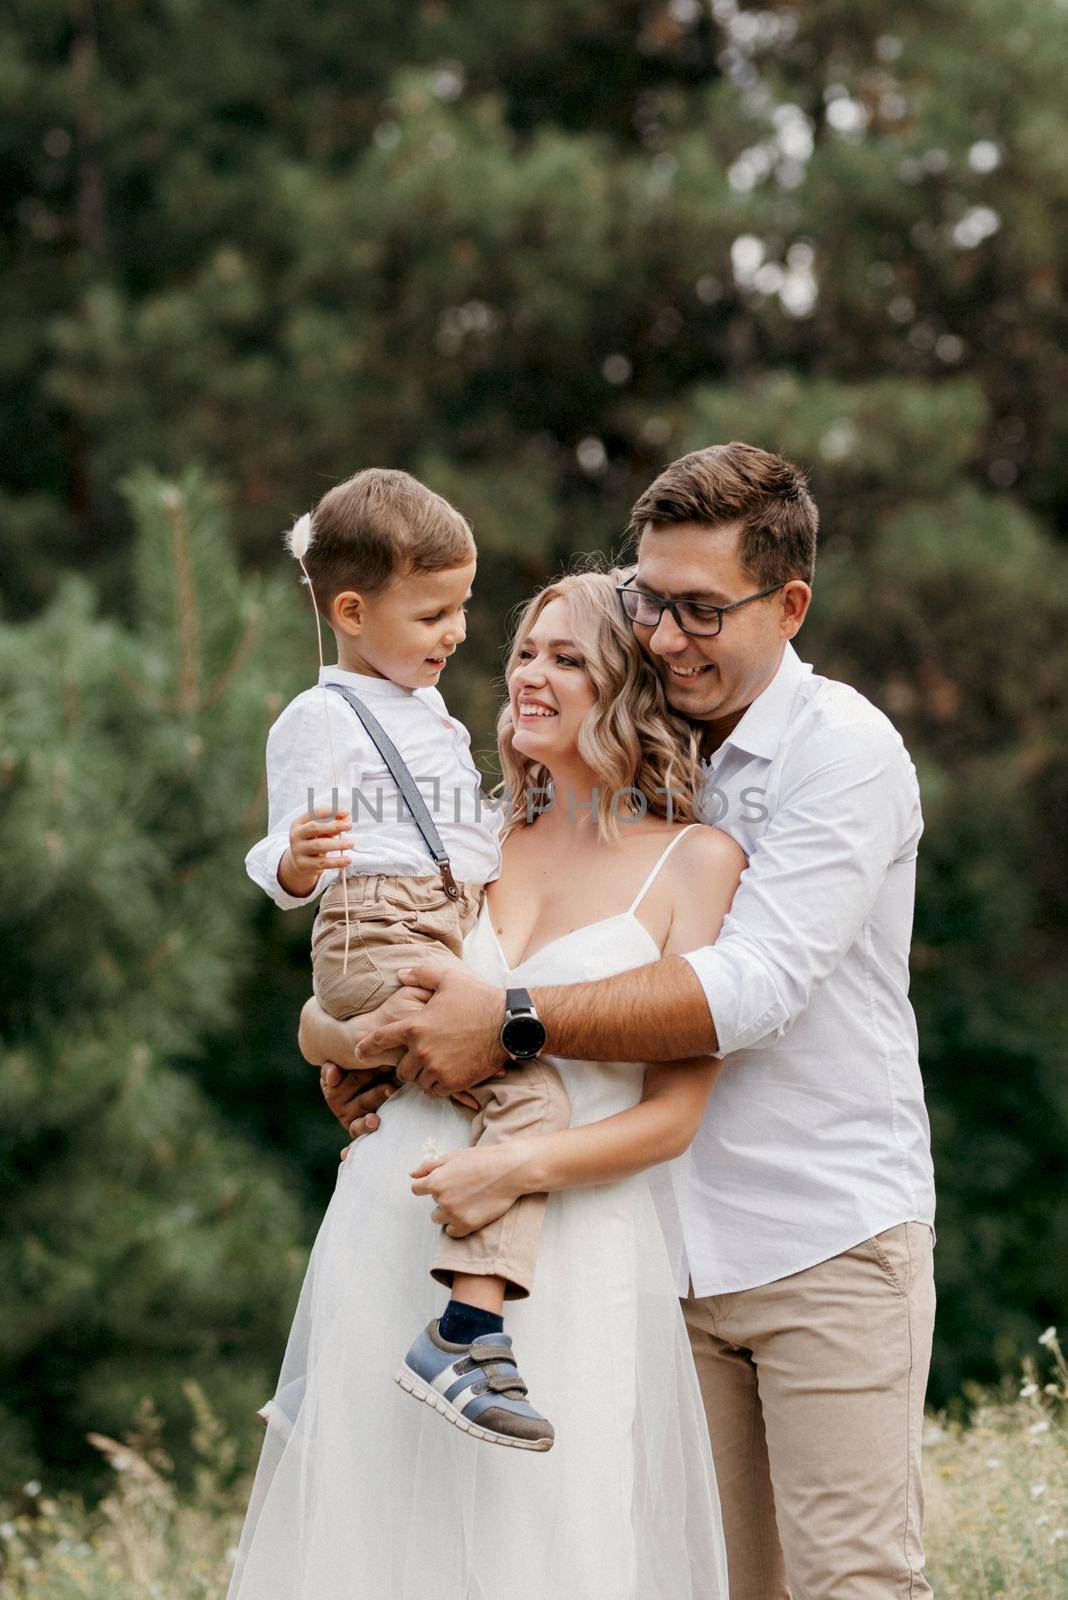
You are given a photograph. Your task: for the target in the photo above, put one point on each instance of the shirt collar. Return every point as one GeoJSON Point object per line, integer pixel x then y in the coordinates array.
{"type": "Point", "coordinates": [761, 729]}
{"type": "Point", "coordinates": [361, 683]}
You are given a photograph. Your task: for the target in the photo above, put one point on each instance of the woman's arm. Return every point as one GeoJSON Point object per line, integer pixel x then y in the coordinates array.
{"type": "Point", "coordinates": [661, 1126]}
{"type": "Point", "coordinates": [322, 1037]}
{"type": "Point", "coordinates": [484, 1183]}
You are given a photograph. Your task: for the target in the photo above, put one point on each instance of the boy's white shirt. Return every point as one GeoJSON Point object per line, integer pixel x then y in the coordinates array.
{"type": "Point", "coordinates": [437, 750]}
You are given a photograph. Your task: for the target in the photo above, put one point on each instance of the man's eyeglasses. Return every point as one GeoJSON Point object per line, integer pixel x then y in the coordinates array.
{"type": "Point", "coordinates": [700, 620]}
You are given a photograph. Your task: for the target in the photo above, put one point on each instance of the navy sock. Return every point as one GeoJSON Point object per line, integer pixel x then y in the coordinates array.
{"type": "Point", "coordinates": [464, 1324]}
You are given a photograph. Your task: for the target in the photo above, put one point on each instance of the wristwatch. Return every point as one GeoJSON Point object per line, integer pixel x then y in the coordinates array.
{"type": "Point", "coordinates": [522, 1031]}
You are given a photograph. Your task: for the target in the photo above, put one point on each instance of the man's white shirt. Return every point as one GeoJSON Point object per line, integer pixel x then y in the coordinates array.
{"type": "Point", "coordinates": [816, 1135]}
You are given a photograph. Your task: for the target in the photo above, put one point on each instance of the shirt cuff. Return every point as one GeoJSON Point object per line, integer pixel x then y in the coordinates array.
{"type": "Point", "coordinates": [731, 994]}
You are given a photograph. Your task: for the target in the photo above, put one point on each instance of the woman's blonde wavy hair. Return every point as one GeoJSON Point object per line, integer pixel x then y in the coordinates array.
{"type": "Point", "coordinates": [645, 753]}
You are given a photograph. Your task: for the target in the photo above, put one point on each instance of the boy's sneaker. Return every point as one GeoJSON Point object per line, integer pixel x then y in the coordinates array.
{"type": "Point", "coordinates": [476, 1387]}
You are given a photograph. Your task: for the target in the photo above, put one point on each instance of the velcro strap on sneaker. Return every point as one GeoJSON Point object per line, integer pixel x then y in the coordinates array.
{"type": "Point", "coordinates": [491, 1358]}
{"type": "Point", "coordinates": [513, 1386]}
{"type": "Point", "coordinates": [491, 1352]}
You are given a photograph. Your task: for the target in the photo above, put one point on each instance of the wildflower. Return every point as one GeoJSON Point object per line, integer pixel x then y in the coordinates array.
{"type": "Point", "coordinates": [32, 1488]}
{"type": "Point", "coordinates": [1039, 1427]}
{"type": "Point", "coordinates": [994, 1462]}
{"type": "Point", "coordinates": [7, 1530]}
{"type": "Point", "coordinates": [1048, 1337]}
{"type": "Point", "coordinates": [1057, 1535]}
{"type": "Point", "coordinates": [1037, 1491]}
{"type": "Point", "coordinates": [1028, 1390]}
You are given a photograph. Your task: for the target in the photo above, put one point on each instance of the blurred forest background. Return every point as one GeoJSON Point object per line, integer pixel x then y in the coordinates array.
{"type": "Point", "coordinates": [530, 252]}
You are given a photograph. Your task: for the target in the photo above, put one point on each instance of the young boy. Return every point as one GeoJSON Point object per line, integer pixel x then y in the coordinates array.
{"type": "Point", "coordinates": [390, 565]}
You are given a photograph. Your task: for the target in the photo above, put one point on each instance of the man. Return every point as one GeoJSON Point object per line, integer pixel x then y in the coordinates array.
{"type": "Point", "coordinates": [809, 1209]}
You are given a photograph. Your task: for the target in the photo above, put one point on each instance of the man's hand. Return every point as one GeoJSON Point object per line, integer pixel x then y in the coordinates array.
{"type": "Point", "coordinates": [352, 1096]}
{"type": "Point", "coordinates": [450, 1043]}
{"type": "Point", "coordinates": [317, 841]}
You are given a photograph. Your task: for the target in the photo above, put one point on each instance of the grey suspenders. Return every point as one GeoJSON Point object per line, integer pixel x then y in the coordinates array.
{"type": "Point", "coordinates": [406, 784]}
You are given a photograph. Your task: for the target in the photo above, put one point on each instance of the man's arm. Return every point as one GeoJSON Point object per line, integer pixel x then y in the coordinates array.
{"type": "Point", "coordinates": [654, 1013]}
{"type": "Point", "coordinates": [847, 813]}
{"type": "Point", "coordinates": [850, 811]}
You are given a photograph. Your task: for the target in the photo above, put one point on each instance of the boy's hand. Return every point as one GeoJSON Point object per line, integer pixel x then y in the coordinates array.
{"type": "Point", "coordinates": [318, 841]}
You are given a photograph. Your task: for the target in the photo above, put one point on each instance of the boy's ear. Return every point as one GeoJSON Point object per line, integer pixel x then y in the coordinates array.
{"type": "Point", "coordinates": [348, 612]}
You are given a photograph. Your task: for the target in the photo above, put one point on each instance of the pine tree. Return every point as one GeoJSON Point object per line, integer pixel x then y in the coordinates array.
{"type": "Point", "coordinates": [143, 1241]}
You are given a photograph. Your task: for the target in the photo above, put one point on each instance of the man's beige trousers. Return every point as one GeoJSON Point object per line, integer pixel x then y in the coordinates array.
{"type": "Point", "coordinates": [814, 1390]}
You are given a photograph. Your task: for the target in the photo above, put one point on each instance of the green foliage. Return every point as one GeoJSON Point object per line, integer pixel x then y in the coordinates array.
{"type": "Point", "coordinates": [142, 1241]}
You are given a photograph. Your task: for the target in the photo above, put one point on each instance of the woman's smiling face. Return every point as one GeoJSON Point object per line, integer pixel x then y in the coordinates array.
{"type": "Point", "coordinates": [548, 687]}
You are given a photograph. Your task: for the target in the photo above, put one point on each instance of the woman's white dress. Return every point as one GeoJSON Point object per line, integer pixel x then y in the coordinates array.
{"type": "Point", "coordinates": [363, 1493]}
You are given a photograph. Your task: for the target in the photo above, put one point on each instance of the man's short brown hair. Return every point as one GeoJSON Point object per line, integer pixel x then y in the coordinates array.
{"type": "Point", "coordinates": [738, 483]}
{"type": "Point", "coordinates": [376, 525]}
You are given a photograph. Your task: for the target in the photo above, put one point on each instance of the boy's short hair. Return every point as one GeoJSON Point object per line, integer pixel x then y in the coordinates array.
{"type": "Point", "coordinates": [740, 483]}
{"type": "Point", "coordinates": [376, 525]}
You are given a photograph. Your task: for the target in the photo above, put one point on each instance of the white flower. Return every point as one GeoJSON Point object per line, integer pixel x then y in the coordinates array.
{"type": "Point", "coordinates": [1039, 1427]}
{"type": "Point", "coordinates": [1057, 1535]}
{"type": "Point", "coordinates": [1048, 1337]}
{"type": "Point", "coordinates": [32, 1488]}
{"type": "Point", "coordinates": [1037, 1491]}
{"type": "Point", "coordinates": [7, 1530]}
{"type": "Point", "coordinates": [1028, 1390]}
{"type": "Point", "coordinates": [300, 536]}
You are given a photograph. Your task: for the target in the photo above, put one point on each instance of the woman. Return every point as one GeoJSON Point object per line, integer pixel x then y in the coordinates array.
{"type": "Point", "coordinates": [362, 1494]}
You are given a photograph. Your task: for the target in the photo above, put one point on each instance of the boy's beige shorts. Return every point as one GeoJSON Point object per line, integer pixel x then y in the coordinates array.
{"type": "Point", "coordinates": [393, 923]}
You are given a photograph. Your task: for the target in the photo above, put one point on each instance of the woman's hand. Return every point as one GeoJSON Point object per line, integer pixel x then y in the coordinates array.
{"type": "Point", "coordinates": [471, 1187]}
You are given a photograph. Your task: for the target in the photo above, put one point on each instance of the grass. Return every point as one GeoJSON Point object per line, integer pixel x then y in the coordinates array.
{"type": "Point", "coordinates": [997, 1508]}
{"type": "Point", "coordinates": [997, 1491]}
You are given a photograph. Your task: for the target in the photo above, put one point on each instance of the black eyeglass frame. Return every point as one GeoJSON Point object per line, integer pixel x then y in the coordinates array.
{"type": "Point", "coordinates": [623, 589]}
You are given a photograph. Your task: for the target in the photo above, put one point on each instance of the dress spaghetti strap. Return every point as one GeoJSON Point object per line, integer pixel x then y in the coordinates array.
{"type": "Point", "coordinates": [648, 884]}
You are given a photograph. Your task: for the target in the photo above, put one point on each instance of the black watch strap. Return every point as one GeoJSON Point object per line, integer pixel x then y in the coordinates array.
{"type": "Point", "coordinates": [522, 1032]}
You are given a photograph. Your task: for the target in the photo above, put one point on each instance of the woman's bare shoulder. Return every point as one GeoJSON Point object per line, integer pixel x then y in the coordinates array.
{"type": "Point", "coordinates": [707, 847]}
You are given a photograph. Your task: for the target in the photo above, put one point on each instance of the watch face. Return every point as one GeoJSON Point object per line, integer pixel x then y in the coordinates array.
{"type": "Point", "coordinates": [523, 1036]}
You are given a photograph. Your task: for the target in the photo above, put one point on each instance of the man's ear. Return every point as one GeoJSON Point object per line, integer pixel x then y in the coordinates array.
{"type": "Point", "coordinates": [348, 613]}
{"type": "Point", "coordinates": [796, 597]}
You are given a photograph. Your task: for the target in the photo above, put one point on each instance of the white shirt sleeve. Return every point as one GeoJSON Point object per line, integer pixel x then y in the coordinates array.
{"type": "Point", "coordinates": [298, 760]}
{"type": "Point", "coordinates": [849, 809]}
